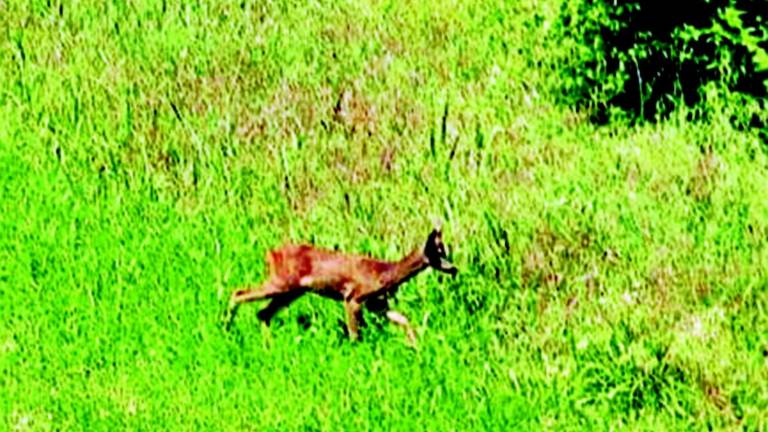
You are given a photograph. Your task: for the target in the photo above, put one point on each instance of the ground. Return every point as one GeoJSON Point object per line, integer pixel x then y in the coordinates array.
{"type": "Point", "coordinates": [150, 154]}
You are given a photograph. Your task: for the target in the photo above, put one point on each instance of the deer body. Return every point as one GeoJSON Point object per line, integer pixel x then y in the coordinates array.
{"type": "Point", "coordinates": [294, 270]}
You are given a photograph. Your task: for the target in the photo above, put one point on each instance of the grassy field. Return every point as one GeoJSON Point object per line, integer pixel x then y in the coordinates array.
{"type": "Point", "coordinates": [612, 277]}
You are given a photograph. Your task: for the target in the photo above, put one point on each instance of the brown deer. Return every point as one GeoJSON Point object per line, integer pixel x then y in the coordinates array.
{"type": "Point", "coordinates": [356, 280]}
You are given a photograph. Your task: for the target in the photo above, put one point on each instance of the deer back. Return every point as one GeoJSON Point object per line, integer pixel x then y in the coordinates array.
{"type": "Point", "coordinates": [312, 267]}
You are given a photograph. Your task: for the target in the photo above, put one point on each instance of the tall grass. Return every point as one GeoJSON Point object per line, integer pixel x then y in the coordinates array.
{"type": "Point", "coordinates": [151, 153]}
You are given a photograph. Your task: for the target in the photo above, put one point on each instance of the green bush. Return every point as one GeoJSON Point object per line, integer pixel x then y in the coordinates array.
{"type": "Point", "coordinates": [643, 59]}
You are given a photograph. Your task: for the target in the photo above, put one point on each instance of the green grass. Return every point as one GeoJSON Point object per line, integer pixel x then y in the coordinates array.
{"type": "Point", "coordinates": [150, 154]}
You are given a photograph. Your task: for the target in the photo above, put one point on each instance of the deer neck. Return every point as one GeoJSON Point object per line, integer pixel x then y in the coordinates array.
{"type": "Point", "coordinates": [400, 271]}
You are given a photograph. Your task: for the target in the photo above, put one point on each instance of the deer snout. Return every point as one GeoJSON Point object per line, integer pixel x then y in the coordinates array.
{"type": "Point", "coordinates": [447, 267]}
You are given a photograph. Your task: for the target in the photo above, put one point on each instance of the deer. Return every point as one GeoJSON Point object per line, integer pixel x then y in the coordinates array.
{"type": "Point", "coordinates": [356, 280]}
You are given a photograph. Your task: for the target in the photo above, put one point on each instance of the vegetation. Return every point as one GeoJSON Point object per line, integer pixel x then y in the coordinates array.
{"type": "Point", "coordinates": [611, 276]}
{"type": "Point", "coordinates": [635, 56]}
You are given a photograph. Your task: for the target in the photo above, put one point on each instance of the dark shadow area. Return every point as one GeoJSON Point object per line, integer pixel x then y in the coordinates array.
{"type": "Point", "coordinates": [640, 43]}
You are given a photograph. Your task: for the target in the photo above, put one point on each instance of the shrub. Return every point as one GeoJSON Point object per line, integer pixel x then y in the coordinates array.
{"type": "Point", "coordinates": [643, 58]}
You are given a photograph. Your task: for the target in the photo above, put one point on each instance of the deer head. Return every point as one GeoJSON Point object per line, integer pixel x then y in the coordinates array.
{"type": "Point", "coordinates": [434, 251]}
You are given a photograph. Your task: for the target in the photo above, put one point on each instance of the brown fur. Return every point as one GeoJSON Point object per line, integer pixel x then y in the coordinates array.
{"type": "Point", "coordinates": [354, 279]}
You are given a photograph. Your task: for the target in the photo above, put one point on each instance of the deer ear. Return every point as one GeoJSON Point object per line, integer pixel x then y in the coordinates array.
{"type": "Point", "coordinates": [438, 225]}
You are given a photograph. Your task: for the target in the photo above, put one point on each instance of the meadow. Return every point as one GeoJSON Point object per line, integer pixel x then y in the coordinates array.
{"type": "Point", "coordinates": [151, 153]}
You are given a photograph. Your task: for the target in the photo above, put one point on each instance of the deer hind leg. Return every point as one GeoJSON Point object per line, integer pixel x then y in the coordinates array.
{"type": "Point", "coordinates": [269, 289]}
{"type": "Point", "coordinates": [277, 303]}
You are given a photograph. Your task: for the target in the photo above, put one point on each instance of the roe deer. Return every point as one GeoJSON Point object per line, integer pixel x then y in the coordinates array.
{"type": "Point", "coordinates": [353, 279]}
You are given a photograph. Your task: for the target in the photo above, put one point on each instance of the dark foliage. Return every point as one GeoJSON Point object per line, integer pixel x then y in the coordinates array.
{"type": "Point", "coordinates": [645, 56]}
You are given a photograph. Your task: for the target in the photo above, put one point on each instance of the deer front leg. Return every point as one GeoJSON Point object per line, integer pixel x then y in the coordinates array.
{"type": "Point", "coordinates": [400, 320]}
{"type": "Point", "coordinates": [352, 307]}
